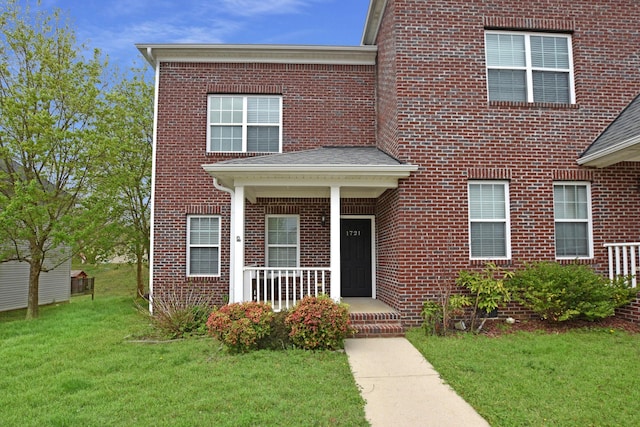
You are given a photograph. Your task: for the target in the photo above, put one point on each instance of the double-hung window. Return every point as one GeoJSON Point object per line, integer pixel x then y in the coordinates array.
{"type": "Point", "coordinates": [244, 124]}
{"type": "Point", "coordinates": [572, 211]}
{"type": "Point", "coordinates": [489, 227]}
{"type": "Point", "coordinates": [203, 245]}
{"type": "Point", "coordinates": [283, 241]}
{"type": "Point", "coordinates": [529, 67]}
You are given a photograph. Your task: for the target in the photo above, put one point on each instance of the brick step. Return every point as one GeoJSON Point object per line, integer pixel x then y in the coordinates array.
{"type": "Point", "coordinates": [379, 330]}
{"type": "Point", "coordinates": [370, 325]}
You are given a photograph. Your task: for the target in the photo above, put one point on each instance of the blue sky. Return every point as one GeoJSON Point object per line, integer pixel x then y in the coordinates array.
{"type": "Point", "coordinates": [115, 25]}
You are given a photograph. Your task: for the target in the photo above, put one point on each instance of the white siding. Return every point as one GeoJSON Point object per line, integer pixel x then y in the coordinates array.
{"type": "Point", "coordinates": [55, 286]}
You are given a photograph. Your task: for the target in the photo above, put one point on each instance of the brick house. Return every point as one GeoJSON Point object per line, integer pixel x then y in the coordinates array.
{"type": "Point", "coordinates": [458, 132]}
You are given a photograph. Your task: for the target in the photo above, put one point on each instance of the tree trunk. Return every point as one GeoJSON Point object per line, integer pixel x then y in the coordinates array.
{"type": "Point", "coordinates": [139, 264]}
{"type": "Point", "coordinates": [35, 265]}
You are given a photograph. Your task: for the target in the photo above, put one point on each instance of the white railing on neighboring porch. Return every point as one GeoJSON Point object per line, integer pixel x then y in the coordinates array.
{"type": "Point", "coordinates": [624, 260]}
{"type": "Point", "coordinates": [283, 287]}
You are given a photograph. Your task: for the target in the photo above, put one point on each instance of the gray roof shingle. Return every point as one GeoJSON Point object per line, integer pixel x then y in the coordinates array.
{"type": "Point", "coordinates": [625, 127]}
{"type": "Point", "coordinates": [327, 156]}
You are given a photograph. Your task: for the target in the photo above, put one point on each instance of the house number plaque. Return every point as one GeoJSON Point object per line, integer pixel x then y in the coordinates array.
{"type": "Point", "coordinates": [352, 233]}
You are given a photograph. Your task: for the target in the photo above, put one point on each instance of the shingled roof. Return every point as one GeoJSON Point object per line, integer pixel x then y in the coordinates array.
{"type": "Point", "coordinates": [361, 172]}
{"type": "Point", "coordinates": [620, 141]}
{"type": "Point", "coordinates": [323, 156]}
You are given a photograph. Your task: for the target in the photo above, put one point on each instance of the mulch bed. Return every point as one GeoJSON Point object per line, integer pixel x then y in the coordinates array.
{"type": "Point", "coordinates": [498, 327]}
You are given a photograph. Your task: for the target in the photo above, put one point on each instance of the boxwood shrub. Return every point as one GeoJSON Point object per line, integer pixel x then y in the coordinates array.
{"type": "Point", "coordinates": [561, 292]}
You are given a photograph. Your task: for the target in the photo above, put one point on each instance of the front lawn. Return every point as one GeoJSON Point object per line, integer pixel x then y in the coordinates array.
{"type": "Point", "coordinates": [79, 365]}
{"type": "Point", "coordinates": [586, 377]}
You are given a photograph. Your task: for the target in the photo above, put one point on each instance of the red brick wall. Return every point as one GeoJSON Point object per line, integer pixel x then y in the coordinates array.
{"type": "Point", "coordinates": [322, 105]}
{"type": "Point", "coordinates": [432, 66]}
{"type": "Point", "coordinates": [425, 103]}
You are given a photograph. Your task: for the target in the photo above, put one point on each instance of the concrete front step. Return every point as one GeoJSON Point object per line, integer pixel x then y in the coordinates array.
{"type": "Point", "coordinates": [370, 325]}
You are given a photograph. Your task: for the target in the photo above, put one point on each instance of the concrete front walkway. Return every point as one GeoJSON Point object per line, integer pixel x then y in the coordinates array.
{"type": "Point", "coordinates": [402, 389]}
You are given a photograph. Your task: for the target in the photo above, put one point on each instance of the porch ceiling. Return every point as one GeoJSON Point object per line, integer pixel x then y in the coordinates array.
{"type": "Point", "coordinates": [360, 172]}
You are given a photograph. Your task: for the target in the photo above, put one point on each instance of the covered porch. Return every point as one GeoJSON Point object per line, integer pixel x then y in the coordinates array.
{"type": "Point", "coordinates": [328, 175]}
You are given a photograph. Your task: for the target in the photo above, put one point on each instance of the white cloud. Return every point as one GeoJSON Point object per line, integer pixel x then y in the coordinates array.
{"type": "Point", "coordinates": [264, 7]}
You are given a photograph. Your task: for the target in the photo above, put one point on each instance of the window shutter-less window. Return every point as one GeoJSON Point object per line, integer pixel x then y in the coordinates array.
{"type": "Point", "coordinates": [488, 220]}
{"type": "Point", "coordinates": [203, 246]}
{"type": "Point", "coordinates": [572, 220]}
{"type": "Point", "coordinates": [528, 67]}
{"type": "Point", "coordinates": [245, 124]}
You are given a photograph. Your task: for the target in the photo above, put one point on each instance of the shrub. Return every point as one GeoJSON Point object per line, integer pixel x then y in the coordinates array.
{"type": "Point", "coordinates": [319, 323]}
{"type": "Point", "coordinates": [562, 292]}
{"type": "Point", "coordinates": [438, 315]}
{"type": "Point", "coordinates": [488, 290]}
{"type": "Point", "coordinates": [179, 315]}
{"type": "Point", "coordinates": [278, 337]}
{"type": "Point", "coordinates": [240, 326]}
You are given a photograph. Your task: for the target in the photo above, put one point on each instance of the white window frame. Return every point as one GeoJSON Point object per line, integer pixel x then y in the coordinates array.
{"type": "Point", "coordinates": [588, 220]}
{"type": "Point", "coordinates": [190, 245]}
{"type": "Point", "coordinates": [267, 245]}
{"type": "Point", "coordinates": [506, 220]}
{"type": "Point", "coordinates": [529, 68]}
{"type": "Point", "coordinates": [244, 123]}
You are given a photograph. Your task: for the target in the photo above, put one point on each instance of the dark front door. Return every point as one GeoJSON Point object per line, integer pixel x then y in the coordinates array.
{"type": "Point", "coordinates": [355, 257]}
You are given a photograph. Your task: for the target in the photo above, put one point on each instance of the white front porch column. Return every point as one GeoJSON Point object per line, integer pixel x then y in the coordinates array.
{"type": "Point", "coordinates": [335, 243]}
{"type": "Point", "coordinates": [237, 219]}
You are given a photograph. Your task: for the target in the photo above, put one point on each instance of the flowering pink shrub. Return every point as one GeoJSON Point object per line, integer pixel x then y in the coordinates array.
{"type": "Point", "coordinates": [241, 325]}
{"type": "Point", "coordinates": [319, 323]}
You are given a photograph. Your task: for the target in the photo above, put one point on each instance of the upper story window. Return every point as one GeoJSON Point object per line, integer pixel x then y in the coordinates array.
{"type": "Point", "coordinates": [489, 227]}
{"type": "Point", "coordinates": [244, 124]}
{"type": "Point", "coordinates": [529, 67]}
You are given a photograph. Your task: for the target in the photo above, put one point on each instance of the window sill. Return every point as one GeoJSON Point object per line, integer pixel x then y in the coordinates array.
{"type": "Point", "coordinates": [201, 278]}
{"type": "Point", "coordinates": [484, 261]}
{"type": "Point", "coordinates": [576, 260]}
{"type": "Point", "coordinates": [533, 105]}
{"type": "Point", "coordinates": [239, 153]}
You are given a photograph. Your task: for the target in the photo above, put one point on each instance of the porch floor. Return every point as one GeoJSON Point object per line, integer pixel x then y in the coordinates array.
{"type": "Point", "coordinates": [366, 305]}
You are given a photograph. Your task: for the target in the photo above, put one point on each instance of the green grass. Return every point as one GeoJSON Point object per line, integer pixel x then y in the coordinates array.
{"type": "Point", "coordinates": [113, 279]}
{"type": "Point", "coordinates": [79, 365]}
{"type": "Point", "coordinates": [580, 378]}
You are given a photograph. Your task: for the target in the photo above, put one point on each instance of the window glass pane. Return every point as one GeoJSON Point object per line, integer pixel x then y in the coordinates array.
{"type": "Point", "coordinates": [572, 239]}
{"type": "Point", "coordinates": [487, 201]}
{"type": "Point", "coordinates": [225, 110]}
{"type": "Point", "coordinates": [263, 139]}
{"type": "Point", "coordinates": [263, 110]}
{"type": "Point", "coordinates": [570, 202]}
{"type": "Point", "coordinates": [549, 52]}
{"type": "Point", "coordinates": [505, 50]}
{"type": "Point", "coordinates": [204, 231]}
{"type": "Point", "coordinates": [507, 85]}
{"type": "Point", "coordinates": [488, 239]}
{"type": "Point", "coordinates": [282, 257]}
{"type": "Point", "coordinates": [282, 231]}
{"type": "Point", "coordinates": [226, 138]}
{"type": "Point", "coordinates": [203, 261]}
{"type": "Point", "coordinates": [551, 86]}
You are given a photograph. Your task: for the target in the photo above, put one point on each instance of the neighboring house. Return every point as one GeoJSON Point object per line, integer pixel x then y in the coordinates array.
{"type": "Point", "coordinates": [458, 133]}
{"type": "Point", "coordinates": [55, 285]}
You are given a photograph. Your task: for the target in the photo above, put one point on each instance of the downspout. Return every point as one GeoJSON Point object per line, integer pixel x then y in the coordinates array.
{"type": "Point", "coordinates": [232, 229]}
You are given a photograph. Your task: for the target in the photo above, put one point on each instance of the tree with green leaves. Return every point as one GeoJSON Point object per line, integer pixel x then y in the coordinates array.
{"type": "Point", "coordinates": [51, 99]}
{"type": "Point", "coordinates": [128, 125]}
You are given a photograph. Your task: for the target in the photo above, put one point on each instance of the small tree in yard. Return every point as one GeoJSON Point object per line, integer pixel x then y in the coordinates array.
{"type": "Point", "coordinates": [126, 179]}
{"type": "Point", "coordinates": [50, 101]}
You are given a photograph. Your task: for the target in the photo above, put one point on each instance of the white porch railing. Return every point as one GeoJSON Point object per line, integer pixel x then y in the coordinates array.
{"type": "Point", "coordinates": [624, 260]}
{"type": "Point", "coordinates": [283, 287]}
